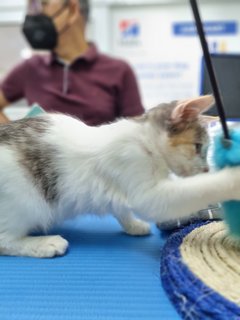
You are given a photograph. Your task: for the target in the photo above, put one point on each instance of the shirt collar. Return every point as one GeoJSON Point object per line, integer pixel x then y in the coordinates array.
{"type": "Point", "coordinates": [89, 56]}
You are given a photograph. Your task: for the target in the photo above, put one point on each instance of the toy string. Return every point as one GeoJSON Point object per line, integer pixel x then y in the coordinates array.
{"type": "Point", "coordinates": [210, 69]}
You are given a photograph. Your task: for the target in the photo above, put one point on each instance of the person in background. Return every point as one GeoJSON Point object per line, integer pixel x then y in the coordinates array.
{"type": "Point", "coordinates": [74, 78]}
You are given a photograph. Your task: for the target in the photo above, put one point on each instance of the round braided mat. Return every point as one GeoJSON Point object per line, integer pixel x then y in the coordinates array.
{"type": "Point", "coordinates": [200, 270]}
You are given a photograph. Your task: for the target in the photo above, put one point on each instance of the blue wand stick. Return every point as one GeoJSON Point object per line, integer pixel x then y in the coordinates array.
{"type": "Point", "coordinates": [226, 146]}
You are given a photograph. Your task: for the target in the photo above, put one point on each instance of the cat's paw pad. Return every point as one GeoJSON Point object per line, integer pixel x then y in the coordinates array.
{"type": "Point", "coordinates": [138, 228]}
{"type": "Point", "coordinates": [52, 246]}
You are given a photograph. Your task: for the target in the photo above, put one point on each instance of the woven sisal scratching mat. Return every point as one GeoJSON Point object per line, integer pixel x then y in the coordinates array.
{"type": "Point", "coordinates": [200, 271]}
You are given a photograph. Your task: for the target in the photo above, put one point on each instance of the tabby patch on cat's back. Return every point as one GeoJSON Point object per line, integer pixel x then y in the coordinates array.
{"type": "Point", "coordinates": [35, 157]}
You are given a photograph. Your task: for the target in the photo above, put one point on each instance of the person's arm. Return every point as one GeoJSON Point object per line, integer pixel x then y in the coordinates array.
{"type": "Point", "coordinates": [12, 87]}
{"type": "Point", "coordinates": [3, 103]}
{"type": "Point", "coordinates": [129, 99]}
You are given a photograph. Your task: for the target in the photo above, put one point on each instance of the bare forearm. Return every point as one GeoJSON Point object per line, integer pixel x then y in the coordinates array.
{"type": "Point", "coordinates": [3, 118]}
{"type": "Point", "coordinates": [3, 103]}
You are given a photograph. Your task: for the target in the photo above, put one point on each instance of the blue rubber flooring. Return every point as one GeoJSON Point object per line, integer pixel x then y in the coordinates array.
{"type": "Point", "coordinates": [106, 275]}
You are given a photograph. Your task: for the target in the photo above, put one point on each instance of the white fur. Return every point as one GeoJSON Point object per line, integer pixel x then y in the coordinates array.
{"type": "Point", "coordinates": [121, 168]}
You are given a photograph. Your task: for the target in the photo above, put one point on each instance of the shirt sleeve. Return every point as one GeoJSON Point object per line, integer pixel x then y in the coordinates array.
{"type": "Point", "coordinates": [13, 85]}
{"type": "Point", "coordinates": [129, 100]}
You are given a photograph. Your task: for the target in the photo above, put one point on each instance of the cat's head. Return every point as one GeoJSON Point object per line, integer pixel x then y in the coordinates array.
{"type": "Point", "coordinates": [181, 132]}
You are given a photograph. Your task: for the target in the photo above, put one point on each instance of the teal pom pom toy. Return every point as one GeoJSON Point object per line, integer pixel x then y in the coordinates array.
{"type": "Point", "coordinates": [227, 153]}
{"type": "Point", "coordinates": [227, 146]}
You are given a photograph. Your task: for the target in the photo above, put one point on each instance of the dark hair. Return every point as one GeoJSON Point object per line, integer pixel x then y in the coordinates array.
{"type": "Point", "coordinates": [85, 8]}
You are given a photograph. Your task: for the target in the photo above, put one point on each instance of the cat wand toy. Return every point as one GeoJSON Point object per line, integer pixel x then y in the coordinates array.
{"type": "Point", "coordinates": [226, 146]}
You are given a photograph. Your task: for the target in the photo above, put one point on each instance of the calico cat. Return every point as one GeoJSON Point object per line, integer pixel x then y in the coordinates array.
{"type": "Point", "coordinates": [54, 167]}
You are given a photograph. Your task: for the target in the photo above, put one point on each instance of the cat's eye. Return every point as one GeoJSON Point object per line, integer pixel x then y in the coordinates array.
{"type": "Point", "coordinates": [198, 147]}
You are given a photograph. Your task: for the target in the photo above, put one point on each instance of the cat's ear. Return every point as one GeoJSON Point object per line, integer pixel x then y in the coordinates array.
{"type": "Point", "coordinates": [189, 110]}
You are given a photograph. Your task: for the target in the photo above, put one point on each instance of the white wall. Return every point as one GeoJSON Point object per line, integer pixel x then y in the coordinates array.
{"type": "Point", "coordinates": [168, 65]}
{"type": "Point", "coordinates": [12, 10]}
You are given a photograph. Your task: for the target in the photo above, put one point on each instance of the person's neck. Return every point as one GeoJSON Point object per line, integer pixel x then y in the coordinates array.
{"type": "Point", "coordinates": [72, 44]}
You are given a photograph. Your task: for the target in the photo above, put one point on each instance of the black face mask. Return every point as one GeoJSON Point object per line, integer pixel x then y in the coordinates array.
{"type": "Point", "coordinates": [40, 30]}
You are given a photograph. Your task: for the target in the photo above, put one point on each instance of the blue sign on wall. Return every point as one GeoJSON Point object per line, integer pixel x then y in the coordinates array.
{"type": "Point", "coordinates": [211, 28]}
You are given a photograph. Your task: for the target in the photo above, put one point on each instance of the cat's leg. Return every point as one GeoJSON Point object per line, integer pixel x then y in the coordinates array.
{"type": "Point", "coordinates": [169, 200]}
{"type": "Point", "coordinates": [38, 247]}
{"type": "Point", "coordinates": [17, 224]}
{"type": "Point", "coordinates": [18, 218]}
{"type": "Point", "coordinates": [132, 225]}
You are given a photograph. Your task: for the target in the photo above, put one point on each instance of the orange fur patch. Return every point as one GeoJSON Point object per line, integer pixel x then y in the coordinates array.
{"type": "Point", "coordinates": [185, 137]}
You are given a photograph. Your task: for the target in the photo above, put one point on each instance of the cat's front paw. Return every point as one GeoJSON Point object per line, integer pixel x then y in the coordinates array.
{"type": "Point", "coordinates": [51, 246]}
{"type": "Point", "coordinates": [138, 228]}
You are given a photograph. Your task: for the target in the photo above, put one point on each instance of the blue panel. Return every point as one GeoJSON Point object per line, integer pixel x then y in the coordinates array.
{"type": "Point", "coordinates": [212, 28]}
{"type": "Point", "coordinates": [106, 275]}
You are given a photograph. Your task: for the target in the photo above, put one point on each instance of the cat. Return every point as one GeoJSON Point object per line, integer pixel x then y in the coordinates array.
{"type": "Point", "coordinates": [53, 167]}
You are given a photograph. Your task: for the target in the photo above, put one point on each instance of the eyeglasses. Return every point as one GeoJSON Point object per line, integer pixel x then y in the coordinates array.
{"type": "Point", "coordinates": [38, 2]}
{"type": "Point", "coordinates": [36, 6]}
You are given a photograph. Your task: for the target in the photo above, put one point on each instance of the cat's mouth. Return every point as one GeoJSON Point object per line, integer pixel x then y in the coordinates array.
{"type": "Point", "coordinates": [189, 173]}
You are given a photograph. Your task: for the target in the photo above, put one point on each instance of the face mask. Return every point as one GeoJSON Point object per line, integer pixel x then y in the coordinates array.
{"type": "Point", "coordinates": [40, 30]}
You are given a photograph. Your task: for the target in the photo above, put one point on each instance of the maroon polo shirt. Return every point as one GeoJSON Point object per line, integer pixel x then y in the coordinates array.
{"type": "Point", "coordinates": [95, 88]}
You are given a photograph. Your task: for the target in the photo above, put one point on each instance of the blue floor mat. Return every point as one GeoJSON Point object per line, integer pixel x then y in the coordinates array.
{"type": "Point", "coordinates": [106, 275]}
